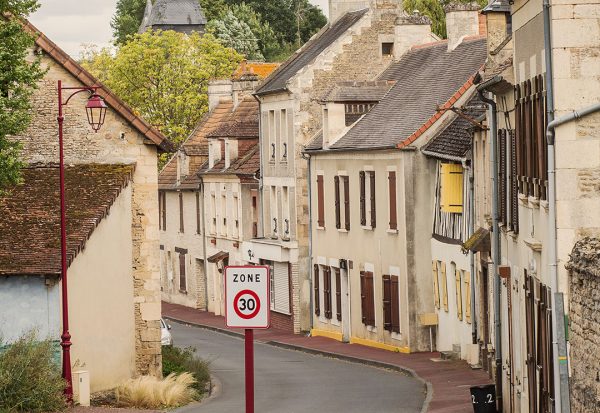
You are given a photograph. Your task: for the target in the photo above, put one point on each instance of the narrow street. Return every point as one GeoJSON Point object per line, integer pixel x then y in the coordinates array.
{"type": "Point", "coordinates": [290, 381]}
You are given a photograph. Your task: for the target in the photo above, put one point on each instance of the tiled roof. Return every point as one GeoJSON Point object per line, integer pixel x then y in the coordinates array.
{"type": "Point", "coordinates": [174, 12]}
{"type": "Point", "coordinates": [112, 100]}
{"type": "Point", "coordinates": [455, 140]}
{"type": "Point", "coordinates": [427, 76]}
{"type": "Point", "coordinates": [30, 214]}
{"type": "Point", "coordinates": [247, 162]}
{"type": "Point", "coordinates": [366, 91]}
{"type": "Point", "coordinates": [260, 69]}
{"type": "Point", "coordinates": [242, 123]}
{"type": "Point", "coordinates": [329, 34]}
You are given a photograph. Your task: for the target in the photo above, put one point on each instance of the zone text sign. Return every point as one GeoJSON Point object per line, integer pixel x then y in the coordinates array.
{"type": "Point", "coordinates": [247, 300]}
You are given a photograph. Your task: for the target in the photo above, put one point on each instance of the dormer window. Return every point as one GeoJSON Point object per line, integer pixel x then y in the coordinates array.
{"type": "Point", "coordinates": [354, 111]}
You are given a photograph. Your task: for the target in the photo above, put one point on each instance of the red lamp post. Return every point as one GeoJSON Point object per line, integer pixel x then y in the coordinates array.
{"type": "Point", "coordinates": [96, 112]}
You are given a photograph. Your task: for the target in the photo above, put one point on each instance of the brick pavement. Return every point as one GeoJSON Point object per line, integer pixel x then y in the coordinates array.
{"type": "Point", "coordinates": [448, 382]}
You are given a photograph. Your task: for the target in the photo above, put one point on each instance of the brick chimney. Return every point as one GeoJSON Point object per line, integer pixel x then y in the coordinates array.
{"type": "Point", "coordinates": [462, 20]}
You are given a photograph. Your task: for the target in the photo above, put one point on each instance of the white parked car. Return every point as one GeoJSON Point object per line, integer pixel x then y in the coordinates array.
{"type": "Point", "coordinates": [166, 339]}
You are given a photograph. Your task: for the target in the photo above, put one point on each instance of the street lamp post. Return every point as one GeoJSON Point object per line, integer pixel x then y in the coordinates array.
{"type": "Point", "coordinates": [96, 112]}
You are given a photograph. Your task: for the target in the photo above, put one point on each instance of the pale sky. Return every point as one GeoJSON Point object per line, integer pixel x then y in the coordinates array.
{"type": "Point", "coordinates": [71, 23]}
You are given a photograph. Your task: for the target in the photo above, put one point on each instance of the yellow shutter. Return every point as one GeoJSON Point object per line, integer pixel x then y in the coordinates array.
{"type": "Point", "coordinates": [468, 297]}
{"type": "Point", "coordinates": [444, 286]}
{"type": "Point", "coordinates": [451, 178]}
{"type": "Point", "coordinates": [436, 288]}
{"type": "Point", "coordinates": [459, 310]}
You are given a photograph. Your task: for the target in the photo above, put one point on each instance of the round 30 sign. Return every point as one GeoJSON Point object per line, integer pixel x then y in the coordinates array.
{"type": "Point", "coordinates": [247, 297]}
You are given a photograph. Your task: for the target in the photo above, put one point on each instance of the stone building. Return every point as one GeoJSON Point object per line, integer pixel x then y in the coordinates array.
{"type": "Point", "coordinates": [112, 229]}
{"type": "Point", "coordinates": [357, 46]}
{"type": "Point", "coordinates": [183, 16]}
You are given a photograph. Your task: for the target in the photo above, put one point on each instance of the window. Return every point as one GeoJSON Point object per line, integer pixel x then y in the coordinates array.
{"type": "Point", "coordinates": [346, 181]}
{"type": "Point", "coordinates": [316, 292]}
{"type": "Point", "coordinates": [459, 307]}
{"type": "Point", "coordinates": [391, 304]}
{"type": "Point", "coordinates": [181, 228]}
{"type": "Point", "coordinates": [354, 111]}
{"type": "Point", "coordinates": [273, 209]}
{"type": "Point", "coordinates": [436, 287]}
{"type": "Point", "coordinates": [182, 279]}
{"type": "Point", "coordinates": [327, 292]}
{"type": "Point", "coordinates": [508, 179]}
{"type": "Point", "coordinates": [162, 210]}
{"type": "Point", "coordinates": [224, 213]}
{"type": "Point", "coordinates": [213, 211]}
{"type": "Point", "coordinates": [272, 137]}
{"type": "Point", "coordinates": [442, 267]}
{"type": "Point", "coordinates": [254, 213]}
{"type": "Point", "coordinates": [451, 182]}
{"type": "Point", "coordinates": [281, 287]}
{"type": "Point", "coordinates": [387, 49]}
{"type": "Point", "coordinates": [198, 217]}
{"type": "Point", "coordinates": [320, 202]}
{"type": "Point", "coordinates": [392, 198]}
{"type": "Point", "coordinates": [338, 294]}
{"type": "Point", "coordinates": [236, 218]}
{"type": "Point", "coordinates": [367, 209]}
{"type": "Point", "coordinates": [367, 298]}
{"type": "Point", "coordinates": [284, 135]}
{"type": "Point", "coordinates": [336, 187]}
{"type": "Point", "coordinates": [467, 281]}
{"type": "Point", "coordinates": [530, 130]}
{"type": "Point", "coordinates": [338, 181]}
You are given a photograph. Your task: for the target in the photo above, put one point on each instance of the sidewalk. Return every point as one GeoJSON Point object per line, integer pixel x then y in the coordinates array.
{"type": "Point", "coordinates": [448, 382]}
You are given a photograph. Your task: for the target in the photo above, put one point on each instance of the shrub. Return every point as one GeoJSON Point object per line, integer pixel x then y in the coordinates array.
{"type": "Point", "coordinates": [148, 392]}
{"type": "Point", "coordinates": [30, 381]}
{"type": "Point", "coordinates": [177, 360]}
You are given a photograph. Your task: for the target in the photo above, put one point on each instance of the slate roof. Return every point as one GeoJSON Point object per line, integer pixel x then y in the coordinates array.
{"type": "Point", "coordinates": [313, 48]}
{"type": "Point", "coordinates": [315, 143]}
{"type": "Point", "coordinates": [426, 77]}
{"type": "Point", "coordinates": [501, 6]}
{"type": "Point", "coordinates": [30, 214]}
{"type": "Point", "coordinates": [455, 140]}
{"type": "Point", "coordinates": [365, 91]}
{"type": "Point", "coordinates": [167, 13]}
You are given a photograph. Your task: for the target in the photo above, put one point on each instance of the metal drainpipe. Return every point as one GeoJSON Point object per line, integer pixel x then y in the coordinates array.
{"type": "Point", "coordinates": [261, 163]}
{"type": "Point", "coordinates": [561, 368]}
{"type": "Point", "coordinates": [310, 262]}
{"type": "Point", "coordinates": [495, 234]}
{"type": "Point", "coordinates": [202, 188]}
{"type": "Point", "coordinates": [471, 253]}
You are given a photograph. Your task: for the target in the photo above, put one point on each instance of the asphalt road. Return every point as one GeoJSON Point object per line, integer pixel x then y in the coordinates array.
{"type": "Point", "coordinates": [288, 381]}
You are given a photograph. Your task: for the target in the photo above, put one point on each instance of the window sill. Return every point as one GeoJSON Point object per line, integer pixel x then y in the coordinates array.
{"type": "Point", "coordinates": [534, 202]}
{"type": "Point", "coordinates": [545, 205]}
{"type": "Point", "coordinates": [392, 231]}
{"type": "Point", "coordinates": [534, 244]}
{"type": "Point", "coordinates": [523, 200]}
{"type": "Point", "coordinates": [372, 329]}
{"type": "Point", "coordinates": [183, 292]}
{"type": "Point", "coordinates": [342, 230]}
{"type": "Point", "coordinates": [280, 311]}
{"type": "Point", "coordinates": [335, 322]}
{"type": "Point", "coordinates": [367, 227]}
{"type": "Point", "coordinates": [320, 228]}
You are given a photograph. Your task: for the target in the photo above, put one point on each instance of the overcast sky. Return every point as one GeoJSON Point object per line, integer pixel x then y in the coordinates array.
{"type": "Point", "coordinates": [71, 23]}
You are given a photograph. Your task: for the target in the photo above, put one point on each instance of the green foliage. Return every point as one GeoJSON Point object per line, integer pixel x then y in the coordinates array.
{"type": "Point", "coordinates": [268, 41]}
{"type": "Point", "coordinates": [235, 33]}
{"type": "Point", "coordinates": [127, 19]}
{"type": "Point", "coordinates": [18, 78]}
{"type": "Point", "coordinates": [164, 76]}
{"type": "Point", "coordinates": [30, 381]}
{"type": "Point", "coordinates": [177, 360]}
{"type": "Point", "coordinates": [434, 9]}
{"type": "Point", "coordinates": [213, 9]}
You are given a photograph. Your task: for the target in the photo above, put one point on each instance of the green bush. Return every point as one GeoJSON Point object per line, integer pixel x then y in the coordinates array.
{"type": "Point", "coordinates": [177, 360]}
{"type": "Point", "coordinates": [30, 380]}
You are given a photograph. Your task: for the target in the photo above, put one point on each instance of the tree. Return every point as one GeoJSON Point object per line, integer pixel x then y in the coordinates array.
{"type": "Point", "coordinates": [213, 9]}
{"type": "Point", "coordinates": [434, 9]}
{"type": "Point", "coordinates": [235, 33]}
{"type": "Point", "coordinates": [268, 41]}
{"type": "Point", "coordinates": [127, 19]}
{"type": "Point", "coordinates": [18, 79]}
{"type": "Point", "coordinates": [164, 75]}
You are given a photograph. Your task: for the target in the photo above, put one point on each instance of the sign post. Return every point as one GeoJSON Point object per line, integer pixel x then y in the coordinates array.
{"type": "Point", "coordinates": [247, 305]}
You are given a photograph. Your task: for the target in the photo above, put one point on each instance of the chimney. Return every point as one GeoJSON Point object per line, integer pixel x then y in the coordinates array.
{"type": "Point", "coordinates": [462, 20]}
{"type": "Point", "coordinates": [244, 83]}
{"type": "Point", "coordinates": [337, 8]}
{"type": "Point", "coordinates": [183, 165]}
{"type": "Point", "coordinates": [219, 90]}
{"type": "Point", "coordinates": [411, 30]}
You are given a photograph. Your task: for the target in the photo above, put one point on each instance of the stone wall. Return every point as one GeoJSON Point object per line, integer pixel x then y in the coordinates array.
{"type": "Point", "coordinates": [116, 142]}
{"type": "Point", "coordinates": [584, 334]}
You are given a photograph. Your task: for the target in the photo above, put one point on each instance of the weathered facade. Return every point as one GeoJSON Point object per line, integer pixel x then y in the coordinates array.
{"type": "Point", "coordinates": [129, 234]}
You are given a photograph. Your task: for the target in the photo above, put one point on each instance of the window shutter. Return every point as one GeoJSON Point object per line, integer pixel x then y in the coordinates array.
{"type": "Point", "coordinates": [370, 299]}
{"type": "Point", "coordinates": [529, 155]}
{"type": "Point", "coordinates": [518, 137]}
{"type": "Point", "coordinates": [181, 212]}
{"type": "Point", "coordinates": [338, 294]}
{"type": "Point", "coordinates": [452, 188]}
{"type": "Point", "coordinates": [514, 184]}
{"type": "Point", "coordinates": [502, 136]}
{"type": "Point", "coordinates": [327, 291]}
{"type": "Point", "coordinates": [372, 193]}
{"type": "Point", "coordinates": [444, 286]}
{"type": "Point", "coordinates": [395, 297]}
{"type": "Point", "coordinates": [320, 202]}
{"type": "Point", "coordinates": [281, 287]}
{"type": "Point", "coordinates": [387, 302]}
{"type": "Point", "coordinates": [338, 218]}
{"type": "Point", "coordinates": [182, 283]}
{"type": "Point", "coordinates": [346, 180]}
{"type": "Point", "coordinates": [467, 276]}
{"type": "Point", "coordinates": [363, 297]}
{"type": "Point", "coordinates": [160, 212]}
{"type": "Point", "coordinates": [541, 136]}
{"type": "Point", "coordinates": [459, 309]}
{"type": "Point", "coordinates": [392, 194]}
{"type": "Point", "coordinates": [436, 288]}
{"type": "Point", "coordinates": [164, 211]}
{"type": "Point", "coordinates": [316, 290]}
{"type": "Point", "coordinates": [198, 217]}
{"type": "Point", "coordinates": [363, 207]}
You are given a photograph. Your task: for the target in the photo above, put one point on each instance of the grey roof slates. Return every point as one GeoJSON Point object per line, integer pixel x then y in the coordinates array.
{"type": "Point", "coordinates": [366, 91]}
{"type": "Point", "coordinates": [455, 140]}
{"type": "Point", "coordinates": [174, 13]}
{"type": "Point", "coordinates": [315, 143]}
{"type": "Point", "coordinates": [425, 78]}
{"type": "Point", "coordinates": [279, 78]}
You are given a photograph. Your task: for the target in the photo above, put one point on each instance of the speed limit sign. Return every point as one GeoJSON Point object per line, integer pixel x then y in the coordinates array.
{"type": "Point", "coordinates": [247, 297]}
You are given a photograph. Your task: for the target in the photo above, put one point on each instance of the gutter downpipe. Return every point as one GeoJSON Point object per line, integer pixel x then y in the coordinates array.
{"type": "Point", "coordinates": [310, 259]}
{"type": "Point", "coordinates": [203, 193]}
{"type": "Point", "coordinates": [560, 360]}
{"type": "Point", "coordinates": [471, 253]}
{"type": "Point", "coordinates": [260, 160]}
{"type": "Point", "coordinates": [495, 232]}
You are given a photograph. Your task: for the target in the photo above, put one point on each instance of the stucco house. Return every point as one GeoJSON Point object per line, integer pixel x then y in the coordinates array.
{"type": "Point", "coordinates": [541, 200]}
{"type": "Point", "coordinates": [373, 195]}
{"type": "Point", "coordinates": [357, 46]}
{"type": "Point", "coordinates": [112, 230]}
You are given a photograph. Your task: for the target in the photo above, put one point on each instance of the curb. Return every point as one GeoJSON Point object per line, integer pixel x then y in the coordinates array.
{"type": "Point", "coordinates": [351, 359]}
